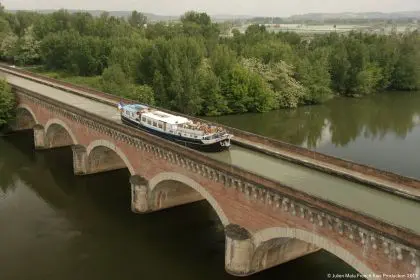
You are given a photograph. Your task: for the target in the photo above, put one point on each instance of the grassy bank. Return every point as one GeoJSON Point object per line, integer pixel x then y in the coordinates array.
{"type": "Point", "coordinates": [94, 82]}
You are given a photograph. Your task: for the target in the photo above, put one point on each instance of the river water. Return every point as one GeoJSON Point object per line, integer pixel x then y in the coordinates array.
{"type": "Point", "coordinates": [382, 131]}
{"type": "Point", "coordinates": [54, 225]}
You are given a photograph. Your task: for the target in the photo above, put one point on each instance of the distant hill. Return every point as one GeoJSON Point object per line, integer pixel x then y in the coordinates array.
{"type": "Point", "coordinates": [151, 17]}
{"type": "Point", "coordinates": [349, 18]}
{"type": "Point", "coordinates": [345, 16]}
{"type": "Point", "coordinates": [227, 17]}
{"type": "Point", "coordinates": [295, 18]}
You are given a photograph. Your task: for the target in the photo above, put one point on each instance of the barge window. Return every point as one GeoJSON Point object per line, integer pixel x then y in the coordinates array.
{"type": "Point", "coordinates": [143, 119]}
{"type": "Point", "coordinates": [160, 125]}
{"type": "Point", "coordinates": [149, 121]}
{"type": "Point", "coordinates": [154, 123]}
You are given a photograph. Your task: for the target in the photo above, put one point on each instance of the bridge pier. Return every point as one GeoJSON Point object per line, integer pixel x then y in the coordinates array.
{"type": "Point", "coordinates": [239, 251]}
{"type": "Point", "coordinates": [100, 159]}
{"type": "Point", "coordinates": [243, 257]}
{"type": "Point", "coordinates": [147, 198]}
{"type": "Point", "coordinates": [40, 140]}
{"type": "Point", "coordinates": [79, 160]}
{"type": "Point", "coordinates": [139, 194]}
{"type": "Point", "coordinates": [278, 251]}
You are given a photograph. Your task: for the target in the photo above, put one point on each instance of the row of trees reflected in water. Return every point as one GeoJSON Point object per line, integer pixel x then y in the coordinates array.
{"type": "Point", "coordinates": [339, 121]}
{"type": "Point", "coordinates": [19, 162]}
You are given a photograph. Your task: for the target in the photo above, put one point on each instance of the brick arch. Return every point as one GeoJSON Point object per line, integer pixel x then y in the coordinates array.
{"type": "Point", "coordinates": [31, 113]}
{"type": "Point", "coordinates": [104, 143]}
{"type": "Point", "coordinates": [64, 126]}
{"type": "Point", "coordinates": [173, 176]}
{"type": "Point", "coordinates": [275, 233]}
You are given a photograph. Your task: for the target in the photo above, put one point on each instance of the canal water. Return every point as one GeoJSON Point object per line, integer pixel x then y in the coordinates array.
{"type": "Point", "coordinates": [54, 225]}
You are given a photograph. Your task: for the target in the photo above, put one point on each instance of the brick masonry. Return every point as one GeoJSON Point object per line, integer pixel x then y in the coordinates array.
{"type": "Point", "coordinates": [264, 212]}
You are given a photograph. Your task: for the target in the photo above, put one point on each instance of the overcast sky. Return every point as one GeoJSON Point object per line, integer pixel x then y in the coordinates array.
{"type": "Point", "coordinates": [237, 7]}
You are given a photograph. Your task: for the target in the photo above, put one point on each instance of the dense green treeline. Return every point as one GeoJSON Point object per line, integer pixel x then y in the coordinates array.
{"type": "Point", "coordinates": [7, 103]}
{"type": "Point", "coordinates": [188, 67]}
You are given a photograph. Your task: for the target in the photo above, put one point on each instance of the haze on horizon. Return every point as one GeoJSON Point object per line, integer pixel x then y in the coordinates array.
{"type": "Point", "coordinates": [279, 8]}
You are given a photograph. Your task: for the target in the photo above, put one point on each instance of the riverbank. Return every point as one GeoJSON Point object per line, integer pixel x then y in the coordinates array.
{"type": "Point", "coordinates": [96, 83]}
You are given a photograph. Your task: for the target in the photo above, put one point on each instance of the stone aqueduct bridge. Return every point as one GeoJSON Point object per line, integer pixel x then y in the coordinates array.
{"type": "Point", "coordinates": [266, 223]}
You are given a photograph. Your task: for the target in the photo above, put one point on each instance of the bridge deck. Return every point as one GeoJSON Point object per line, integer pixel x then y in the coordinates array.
{"type": "Point", "coordinates": [381, 205]}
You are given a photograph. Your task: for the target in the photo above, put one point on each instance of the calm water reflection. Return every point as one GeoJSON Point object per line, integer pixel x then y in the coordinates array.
{"type": "Point", "coordinates": [58, 226]}
{"type": "Point", "coordinates": [382, 131]}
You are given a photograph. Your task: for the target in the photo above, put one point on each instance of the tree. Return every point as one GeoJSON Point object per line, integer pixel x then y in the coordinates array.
{"type": "Point", "coordinates": [270, 51]}
{"type": "Point", "coordinates": [140, 93]}
{"type": "Point", "coordinates": [7, 103]}
{"type": "Point", "coordinates": [256, 32]}
{"type": "Point", "coordinates": [291, 38]}
{"type": "Point", "coordinates": [339, 68]}
{"type": "Point", "coordinates": [406, 74]}
{"type": "Point", "coordinates": [114, 80]}
{"type": "Point", "coordinates": [21, 20]}
{"type": "Point", "coordinates": [9, 47]}
{"type": "Point", "coordinates": [287, 92]}
{"type": "Point", "coordinates": [80, 55]}
{"type": "Point", "coordinates": [314, 75]}
{"type": "Point", "coordinates": [4, 27]}
{"type": "Point", "coordinates": [199, 24]}
{"type": "Point", "coordinates": [82, 22]}
{"type": "Point", "coordinates": [358, 56]}
{"type": "Point", "coordinates": [236, 90]}
{"type": "Point", "coordinates": [214, 103]}
{"type": "Point", "coordinates": [171, 67]}
{"type": "Point", "coordinates": [56, 48]}
{"type": "Point", "coordinates": [368, 79]}
{"type": "Point", "coordinates": [28, 48]}
{"type": "Point", "coordinates": [126, 58]}
{"type": "Point", "coordinates": [88, 56]}
{"type": "Point", "coordinates": [247, 91]}
{"type": "Point", "coordinates": [201, 19]}
{"type": "Point", "coordinates": [385, 53]}
{"type": "Point", "coordinates": [160, 29]}
{"type": "Point", "coordinates": [137, 19]}
{"type": "Point", "coordinates": [222, 60]}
